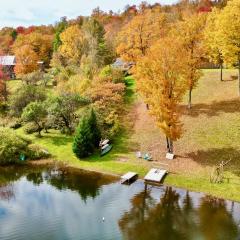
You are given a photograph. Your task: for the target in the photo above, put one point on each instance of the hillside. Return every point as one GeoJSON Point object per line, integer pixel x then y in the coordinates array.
{"type": "Point", "coordinates": [212, 132]}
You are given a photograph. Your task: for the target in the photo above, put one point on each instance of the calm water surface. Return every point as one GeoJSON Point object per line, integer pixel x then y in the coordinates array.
{"type": "Point", "coordinates": [43, 204]}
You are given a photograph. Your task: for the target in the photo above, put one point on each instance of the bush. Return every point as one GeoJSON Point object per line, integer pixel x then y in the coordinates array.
{"type": "Point", "coordinates": [11, 146]}
{"type": "Point", "coordinates": [35, 152]}
{"type": "Point", "coordinates": [30, 128]}
{"type": "Point", "coordinates": [15, 124]}
{"type": "Point", "coordinates": [116, 75]}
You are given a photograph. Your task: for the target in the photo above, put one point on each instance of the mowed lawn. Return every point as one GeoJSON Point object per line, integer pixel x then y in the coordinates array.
{"type": "Point", "coordinates": [211, 135]}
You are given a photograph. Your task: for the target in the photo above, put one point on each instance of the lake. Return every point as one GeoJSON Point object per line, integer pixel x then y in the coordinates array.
{"type": "Point", "coordinates": [48, 204]}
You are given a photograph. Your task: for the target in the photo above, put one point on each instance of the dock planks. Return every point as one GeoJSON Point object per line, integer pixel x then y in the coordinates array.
{"type": "Point", "coordinates": [155, 175]}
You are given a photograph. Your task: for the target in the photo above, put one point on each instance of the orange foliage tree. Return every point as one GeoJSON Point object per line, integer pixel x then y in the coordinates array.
{"type": "Point", "coordinates": [191, 32]}
{"type": "Point", "coordinates": [161, 80]}
{"type": "Point", "coordinates": [26, 60]}
{"type": "Point", "coordinates": [140, 33]}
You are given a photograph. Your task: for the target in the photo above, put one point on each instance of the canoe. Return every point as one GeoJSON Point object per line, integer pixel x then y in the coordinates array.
{"type": "Point", "coordinates": [106, 150]}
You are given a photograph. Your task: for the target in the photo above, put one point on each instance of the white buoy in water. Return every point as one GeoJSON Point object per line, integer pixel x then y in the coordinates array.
{"type": "Point", "coordinates": [103, 219]}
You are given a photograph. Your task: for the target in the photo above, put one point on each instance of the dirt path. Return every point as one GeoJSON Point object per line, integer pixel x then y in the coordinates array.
{"type": "Point", "coordinates": [148, 138]}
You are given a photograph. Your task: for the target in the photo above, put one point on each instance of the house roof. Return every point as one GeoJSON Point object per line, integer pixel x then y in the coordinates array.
{"type": "Point", "coordinates": [7, 60]}
{"type": "Point", "coordinates": [119, 63]}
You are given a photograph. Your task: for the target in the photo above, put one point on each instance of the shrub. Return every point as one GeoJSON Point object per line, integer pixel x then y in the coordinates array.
{"type": "Point", "coordinates": [11, 146]}
{"type": "Point", "coordinates": [36, 152]}
{"type": "Point", "coordinates": [30, 128]}
{"type": "Point", "coordinates": [114, 74]}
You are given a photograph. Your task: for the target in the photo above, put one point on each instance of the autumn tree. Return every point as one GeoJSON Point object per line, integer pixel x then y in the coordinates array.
{"type": "Point", "coordinates": [72, 44]}
{"type": "Point", "coordinates": [229, 33]}
{"type": "Point", "coordinates": [41, 44]}
{"type": "Point", "coordinates": [190, 32]}
{"type": "Point", "coordinates": [137, 36]}
{"type": "Point", "coordinates": [212, 40]}
{"type": "Point", "coordinates": [161, 79]}
{"type": "Point", "coordinates": [26, 60]}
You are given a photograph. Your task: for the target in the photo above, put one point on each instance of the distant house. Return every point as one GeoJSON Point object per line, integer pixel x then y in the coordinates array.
{"type": "Point", "coordinates": [8, 63]}
{"type": "Point", "coordinates": [120, 64]}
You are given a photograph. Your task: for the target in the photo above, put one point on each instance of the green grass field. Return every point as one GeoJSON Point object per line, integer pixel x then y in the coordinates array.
{"type": "Point", "coordinates": [212, 133]}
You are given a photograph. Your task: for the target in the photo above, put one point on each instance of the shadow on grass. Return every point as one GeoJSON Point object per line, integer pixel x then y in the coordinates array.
{"type": "Point", "coordinates": [214, 109]}
{"type": "Point", "coordinates": [58, 140]}
{"type": "Point", "coordinates": [215, 156]}
{"type": "Point", "coordinates": [121, 145]}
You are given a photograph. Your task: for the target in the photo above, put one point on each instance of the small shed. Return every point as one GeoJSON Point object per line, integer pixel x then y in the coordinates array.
{"type": "Point", "coordinates": [8, 63]}
{"type": "Point", "coordinates": [124, 66]}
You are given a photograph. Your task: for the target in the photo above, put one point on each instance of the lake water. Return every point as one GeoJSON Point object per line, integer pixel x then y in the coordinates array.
{"type": "Point", "coordinates": [43, 204]}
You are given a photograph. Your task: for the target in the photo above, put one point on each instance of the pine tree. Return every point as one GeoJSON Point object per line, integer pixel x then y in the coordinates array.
{"type": "Point", "coordinates": [96, 134]}
{"type": "Point", "coordinates": [83, 144]}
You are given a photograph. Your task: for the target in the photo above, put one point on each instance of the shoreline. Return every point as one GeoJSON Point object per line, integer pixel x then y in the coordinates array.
{"type": "Point", "coordinates": [51, 161]}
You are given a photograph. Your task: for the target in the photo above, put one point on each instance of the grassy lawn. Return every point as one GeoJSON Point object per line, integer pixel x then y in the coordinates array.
{"type": "Point", "coordinates": [211, 135]}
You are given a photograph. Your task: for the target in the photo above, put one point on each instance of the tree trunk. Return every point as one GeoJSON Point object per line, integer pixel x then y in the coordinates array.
{"type": "Point", "coordinates": [168, 146]}
{"type": "Point", "coordinates": [190, 99]}
{"type": "Point", "coordinates": [221, 74]}
{"type": "Point", "coordinates": [171, 145]}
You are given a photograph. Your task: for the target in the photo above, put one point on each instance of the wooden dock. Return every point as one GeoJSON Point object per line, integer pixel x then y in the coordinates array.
{"type": "Point", "coordinates": [155, 175]}
{"type": "Point", "coordinates": [129, 177]}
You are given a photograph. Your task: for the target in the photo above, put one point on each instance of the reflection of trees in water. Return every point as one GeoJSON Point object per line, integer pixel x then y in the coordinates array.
{"type": "Point", "coordinates": [161, 221]}
{"type": "Point", "coordinates": [87, 184]}
{"type": "Point", "coordinates": [6, 192]}
{"type": "Point", "coordinates": [216, 223]}
{"type": "Point", "coordinates": [168, 220]}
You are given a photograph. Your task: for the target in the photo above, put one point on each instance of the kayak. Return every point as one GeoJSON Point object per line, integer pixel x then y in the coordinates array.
{"type": "Point", "coordinates": [106, 150]}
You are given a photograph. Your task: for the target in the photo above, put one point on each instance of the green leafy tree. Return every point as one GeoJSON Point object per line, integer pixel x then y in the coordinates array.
{"type": "Point", "coordinates": [35, 112]}
{"type": "Point", "coordinates": [62, 111]}
{"type": "Point", "coordinates": [23, 96]}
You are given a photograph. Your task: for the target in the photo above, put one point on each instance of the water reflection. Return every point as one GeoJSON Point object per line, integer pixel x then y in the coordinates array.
{"type": "Point", "coordinates": [64, 204]}
{"type": "Point", "coordinates": [175, 218]}
{"type": "Point", "coordinates": [215, 221]}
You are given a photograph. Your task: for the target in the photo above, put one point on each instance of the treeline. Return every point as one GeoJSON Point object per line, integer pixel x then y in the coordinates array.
{"type": "Point", "coordinates": [166, 44]}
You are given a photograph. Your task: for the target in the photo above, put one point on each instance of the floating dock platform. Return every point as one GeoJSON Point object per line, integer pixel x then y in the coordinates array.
{"type": "Point", "coordinates": [155, 175]}
{"type": "Point", "coordinates": [129, 177]}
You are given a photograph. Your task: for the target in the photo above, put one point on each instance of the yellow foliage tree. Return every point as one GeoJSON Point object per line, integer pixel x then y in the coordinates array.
{"type": "Point", "coordinates": [26, 60]}
{"type": "Point", "coordinates": [229, 33]}
{"type": "Point", "coordinates": [190, 32]}
{"type": "Point", "coordinates": [212, 41]}
{"type": "Point", "coordinates": [161, 79]}
{"type": "Point", "coordinates": [137, 36]}
{"type": "Point", "coordinates": [72, 44]}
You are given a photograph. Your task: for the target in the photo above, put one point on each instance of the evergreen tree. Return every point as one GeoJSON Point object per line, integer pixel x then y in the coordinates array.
{"type": "Point", "coordinates": [83, 144]}
{"type": "Point", "coordinates": [62, 25]}
{"type": "Point", "coordinates": [96, 134]}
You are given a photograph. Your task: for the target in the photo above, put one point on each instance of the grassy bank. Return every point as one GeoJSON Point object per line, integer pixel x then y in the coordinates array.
{"type": "Point", "coordinates": [212, 133]}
